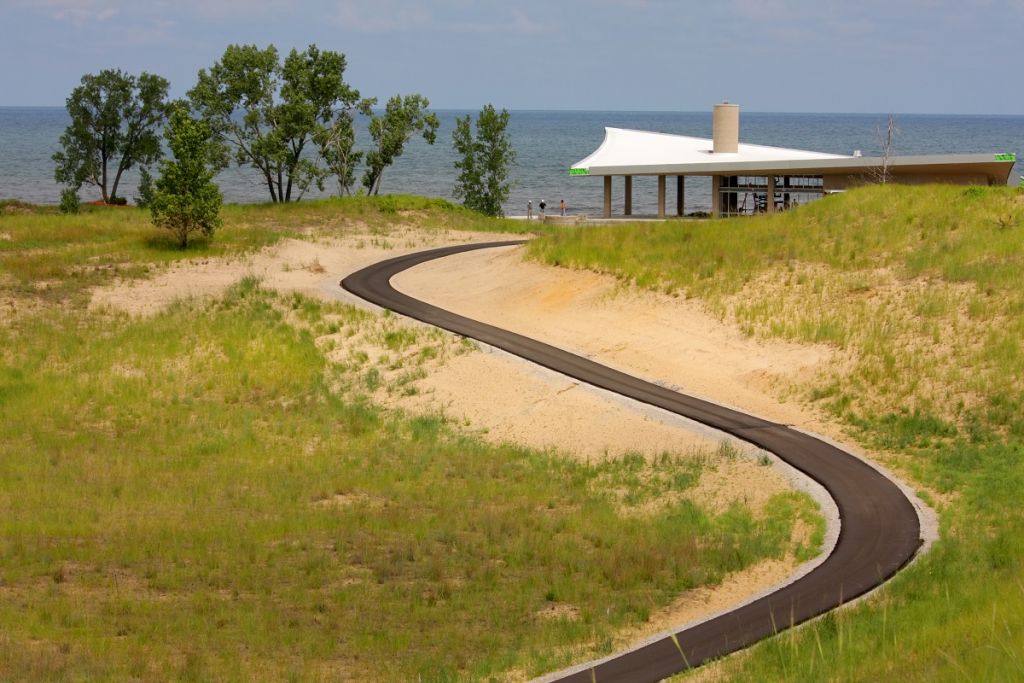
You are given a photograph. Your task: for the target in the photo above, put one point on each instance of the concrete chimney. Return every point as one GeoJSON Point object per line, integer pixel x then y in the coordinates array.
{"type": "Point", "coordinates": [725, 126]}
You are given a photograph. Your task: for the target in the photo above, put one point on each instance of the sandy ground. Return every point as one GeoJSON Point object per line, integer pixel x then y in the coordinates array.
{"type": "Point", "coordinates": [662, 338]}
{"type": "Point", "coordinates": [310, 267]}
{"type": "Point", "coordinates": [666, 339]}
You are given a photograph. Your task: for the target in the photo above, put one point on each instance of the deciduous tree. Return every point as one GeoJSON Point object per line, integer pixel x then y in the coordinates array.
{"type": "Point", "coordinates": [337, 145]}
{"type": "Point", "coordinates": [185, 199]}
{"type": "Point", "coordinates": [272, 113]}
{"type": "Point", "coordinates": [403, 117]}
{"type": "Point", "coordinates": [485, 161]}
{"type": "Point", "coordinates": [114, 122]}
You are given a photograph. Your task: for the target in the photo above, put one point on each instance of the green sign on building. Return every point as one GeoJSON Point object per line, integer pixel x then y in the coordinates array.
{"type": "Point", "coordinates": [1006, 157]}
{"type": "Point", "coordinates": [579, 171]}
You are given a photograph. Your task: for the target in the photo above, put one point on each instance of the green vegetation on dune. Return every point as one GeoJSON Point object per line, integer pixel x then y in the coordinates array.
{"type": "Point", "coordinates": [950, 231]}
{"type": "Point", "coordinates": [921, 291]}
{"type": "Point", "coordinates": [209, 493]}
{"type": "Point", "coordinates": [46, 254]}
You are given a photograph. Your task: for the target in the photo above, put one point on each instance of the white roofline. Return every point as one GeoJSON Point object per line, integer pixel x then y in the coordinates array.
{"type": "Point", "coordinates": [633, 152]}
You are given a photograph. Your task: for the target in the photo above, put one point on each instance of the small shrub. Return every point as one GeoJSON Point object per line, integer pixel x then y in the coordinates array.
{"type": "Point", "coordinates": [146, 190]}
{"type": "Point", "coordinates": [69, 202]}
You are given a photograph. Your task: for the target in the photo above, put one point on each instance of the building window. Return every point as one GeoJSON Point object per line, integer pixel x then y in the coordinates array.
{"type": "Point", "coordinates": [793, 190]}
{"type": "Point", "coordinates": [747, 195]}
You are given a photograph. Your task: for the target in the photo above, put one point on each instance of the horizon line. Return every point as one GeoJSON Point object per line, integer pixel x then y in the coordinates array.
{"type": "Point", "coordinates": [527, 110]}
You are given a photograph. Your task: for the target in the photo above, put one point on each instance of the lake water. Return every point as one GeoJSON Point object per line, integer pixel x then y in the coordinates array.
{"type": "Point", "coordinates": [547, 143]}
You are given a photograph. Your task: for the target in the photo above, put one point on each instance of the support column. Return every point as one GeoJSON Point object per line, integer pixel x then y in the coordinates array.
{"type": "Point", "coordinates": [771, 193]}
{"type": "Point", "coordinates": [716, 196]}
{"type": "Point", "coordinates": [629, 195]}
{"type": "Point", "coordinates": [679, 194]}
{"type": "Point", "coordinates": [661, 196]}
{"type": "Point", "coordinates": [607, 196]}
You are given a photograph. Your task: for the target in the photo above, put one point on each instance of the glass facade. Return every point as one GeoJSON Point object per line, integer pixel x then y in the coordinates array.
{"type": "Point", "coordinates": [746, 195]}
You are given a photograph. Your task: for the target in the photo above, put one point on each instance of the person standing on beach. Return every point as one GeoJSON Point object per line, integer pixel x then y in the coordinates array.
{"type": "Point", "coordinates": [562, 206]}
{"type": "Point", "coordinates": [542, 205]}
{"type": "Point", "coordinates": [529, 209]}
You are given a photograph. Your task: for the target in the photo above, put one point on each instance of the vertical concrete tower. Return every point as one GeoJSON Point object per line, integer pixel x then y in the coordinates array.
{"type": "Point", "coordinates": [725, 126]}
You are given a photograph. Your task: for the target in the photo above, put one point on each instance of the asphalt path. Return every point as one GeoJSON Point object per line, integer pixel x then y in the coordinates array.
{"type": "Point", "coordinates": [879, 528]}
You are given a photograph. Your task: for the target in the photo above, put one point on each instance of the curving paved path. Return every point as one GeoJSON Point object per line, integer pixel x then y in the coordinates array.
{"type": "Point", "coordinates": [879, 532]}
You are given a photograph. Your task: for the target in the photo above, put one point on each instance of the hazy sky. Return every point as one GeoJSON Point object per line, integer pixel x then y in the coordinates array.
{"type": "Point", "coordinates": [902, 56]}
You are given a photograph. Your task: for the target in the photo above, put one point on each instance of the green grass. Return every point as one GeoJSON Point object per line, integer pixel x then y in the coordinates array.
{"type": "Point", "coordinates": [920, 291]}
{"type": "Point", "coordinates": [376, 214]}
{"type": "Point", "coordinates": [210, 493]}
{"type": "Point", "coordinates": [44, 254]}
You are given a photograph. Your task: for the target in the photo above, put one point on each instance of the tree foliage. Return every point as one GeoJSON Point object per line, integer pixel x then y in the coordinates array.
{"type": "Point", "coordinates": [114, 121]}
{"type": "Point", "coordinates": [485, 161]}
{"type": "Point", "coordinates": [272, 113]}
{"type": "Point", "coordinates": [337, 145]}
{"type": "Point", "coordinates": [403, 117]}
{"type": "Point", "coordinates": [184, 198]}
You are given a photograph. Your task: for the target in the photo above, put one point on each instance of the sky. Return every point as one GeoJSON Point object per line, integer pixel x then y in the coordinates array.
{"type": "Point", "coordinates": [888, 56]}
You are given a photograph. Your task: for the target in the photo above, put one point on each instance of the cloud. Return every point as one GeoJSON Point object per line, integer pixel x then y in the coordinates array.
{"type": "Point", "coordinates": [161, 11]}
{"type": "Point", "coordinates": [522, 23]}
{"type": "Point", "coordinates": [451, 16]}
{"type": "Point", "coordinates": [629, 4]}
{"type": "Point", "coordinates": [381, 17]}
{"type": "Point", "coordinates": [232, 9]}
{"type": "Point", "coordinates": [81, 15]}
{"type": "Point", "coordinates": [79, 12]}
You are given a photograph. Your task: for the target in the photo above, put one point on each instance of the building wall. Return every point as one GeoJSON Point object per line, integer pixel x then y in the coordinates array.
{"type": "Point", "coordinates": [902, 177]}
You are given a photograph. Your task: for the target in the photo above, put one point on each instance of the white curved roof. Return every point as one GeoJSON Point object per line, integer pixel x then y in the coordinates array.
{"type": "Point", "coordinates": [639, 152]}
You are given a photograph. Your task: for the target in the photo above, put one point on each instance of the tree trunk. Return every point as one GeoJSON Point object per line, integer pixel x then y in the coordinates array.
{"type": "Point", "coordinates": [103, 186]}
{"type": "Point", "coordinates": [121, 165]}
{"type": "Point", "coordinates": [117, 181]}
{"type": "Point", "coordinates": [296, 155]}
{"type": "Point", "coordinates": [270, 184]}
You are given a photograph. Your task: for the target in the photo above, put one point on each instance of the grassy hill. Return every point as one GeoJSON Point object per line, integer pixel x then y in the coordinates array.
{"type": "Point", "coordinates": [922, 289]}
{"type": "Point", "coordinates": [205, 494]}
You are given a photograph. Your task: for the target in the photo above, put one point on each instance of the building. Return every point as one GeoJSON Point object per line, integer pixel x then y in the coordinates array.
{"type": "Point", "coordinates": [754, 178]}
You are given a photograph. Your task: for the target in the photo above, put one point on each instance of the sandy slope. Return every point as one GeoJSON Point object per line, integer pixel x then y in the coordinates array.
{"type": "Point", "coordinates": [504, 398]}
{"type": "Point", "coordinates": [659, 337]}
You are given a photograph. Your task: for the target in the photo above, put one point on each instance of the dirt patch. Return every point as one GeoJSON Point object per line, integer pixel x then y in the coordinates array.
{"type": "Point", "coordinates": [13, 307]}
{"type": "Point", "coordinates": [344, 500]}
{"type": "Point", "coordinates": [556, 611]}
{"type": "Point", "coordinates": [743, 481]}
{"type": "Point", "coordinates": [503, 398]}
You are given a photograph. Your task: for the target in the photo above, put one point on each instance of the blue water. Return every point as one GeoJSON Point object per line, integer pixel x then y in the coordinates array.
{"type": "Point", "coordinates": [547, 143]}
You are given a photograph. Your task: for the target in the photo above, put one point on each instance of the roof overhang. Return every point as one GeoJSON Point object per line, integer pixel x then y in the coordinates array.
{"type": "Point", "coordinates": [630, 152]}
